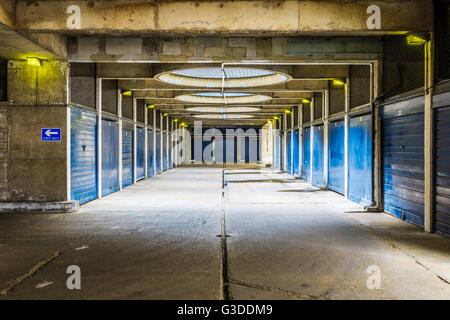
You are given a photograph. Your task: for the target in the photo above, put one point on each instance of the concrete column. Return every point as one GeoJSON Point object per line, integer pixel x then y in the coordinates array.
{"type": "Point", "coordinates": [146, 140]}
{"type": "Point", "coordinates": [300, 138]}
{"type": "Point", "coordinates": [161, 140]}
{"type": "Point", "coordinates": [38, 172]}
{"type": "Point", "coordinates": [99, 136]}
{"type": "Point", "coordinates": [292, 139]}
{"type": "Point", "coordinates": [284, 143]}
{"type": "Point", "coordinates": [325, 115]}
{"type": "Point", "coordinates": [154, 141]}
{"type": "Point", "coordinates": [377, 158]}
{"type": "Point", "coordinates": [134, 141]}
{"type": "Point", "coordinates": [167, 142]}
{"type": "Point", "coordinates": [346, 136]}
{"type": "Point", "coordinates": [311, 108]}
{"type": "Point", "coordinates": [428, 135]}
{"type": "Point", "coordinates": [119, 114]}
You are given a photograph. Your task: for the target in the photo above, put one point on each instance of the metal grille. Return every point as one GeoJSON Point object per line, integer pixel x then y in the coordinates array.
{"type": "Point", "coordinates": [109, 96]}
{"type": "Point", "coordinates": [3, 79]}
{"type": "Point", "coordinates": [317, 105]}
{"type": "Point", "coordinates": [288, 120]}
{"type": "Point", "coordinates": [359, 86]}
{"type": "Point", "coordinates": [83, 84]}
{"type": "Point", "coordinates": [403, 66]}
{"type": "Point", "coordinates": [337, 98]}
{"type": "Point", "coordinates": [442, 11]}
{"type": "Point", "coordinates": [140, 107]}
{"type": "Point", "coordinates": [150, 117]}
{"type": "Point", "coordinates": [295, 115]}
{"type": "Point", "coordinates": [306, 112]}
{"type": "Point", "coordinates": [158, 119]}
{"type": "Point", "coordinates": [127, 107]}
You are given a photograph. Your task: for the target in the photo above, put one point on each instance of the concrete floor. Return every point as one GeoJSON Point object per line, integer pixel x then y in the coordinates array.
{"type": "Point", "coordinates": [158, 239]}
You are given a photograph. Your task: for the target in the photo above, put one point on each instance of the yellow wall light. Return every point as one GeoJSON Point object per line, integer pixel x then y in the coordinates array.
{"type": "Point", "coordinates": [306, 100]}
{"type": "Point", "coordinates": [125, 92]}
{"type": "Point", "coordinates": [338, 82]}
{"type": "Point", "coordinates": [415, 40]}
{"type": "Point", "coordinates": [151, 106]}
{"type": "Point", "coordinates": [165, 114]}
{"type": "Point", "coordinates": [35, 62]}
{"type": "Point", "coordinates": [287, 111]}
{"type": "Point", "coordinates": [275, 117]}
{"type": "Point", "coordinates": [175, 120]}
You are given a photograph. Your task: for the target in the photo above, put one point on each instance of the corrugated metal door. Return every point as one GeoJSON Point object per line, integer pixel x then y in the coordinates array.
{"type": "Point", "coordinates": [306, 154]}
{"type": "Point", "coordinates": [158, 152]}
{"type": "Point", "coordinates": [170, 151]}
{"type": "Point", "coordinates": [317, 165]}
{"type": "Point", "coordinates": [127, 157]}
{"type": "Point", "coordinates": [442, 171]}
{"type": "Point", "coordinates": [295, 155]}
{"type": "Point", "coordinates": [403, 160]}
{"type": "Point", "coordinates": [110, 157]}
{"type": "Point", "coordinates": [288, 152]}
{"type": "Point", "coordinates": [164, 151]}
{"type": "Point", "coordinates": [83, 155]}
{"type": "Point", "coordinates": [278, 154]}
{"type": "Point", "coordinates": [140, 153]}
{"type": "Point", "coordinates": [360, 160]}
{"type": "Point", "coordinates": [150, 153]}
{"type": "Point", "coordinates": [336, 156]}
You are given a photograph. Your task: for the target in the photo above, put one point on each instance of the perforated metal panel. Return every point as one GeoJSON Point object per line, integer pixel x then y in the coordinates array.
{"type": "Point", "coordinates": [317, 105]}
{"type": "Point", "coordinates": [295, 153]}
{"type": "Point", "coordinates": [140, 153]}
{"type": "Point", "coordinates": [127, 107]}
{"type": "Point", "coordinates": [337, 98]}
{"type": "Point", "coordinates": [158, 152]}
{"type": "Point", "coordinates": [442, 34]}
{"type": "Point", "coordinates": [359, 85]}
{"type": "Point", "coordinates": [289, 152]}
{"type": "Point", "coordinates": [127, 157]}
{"type": "Point", "coordinates": [164, 150]}
{"type": "Point", "coordinates": [150, 152]}
{"type": "Point", "coordinates": [306, 113]}
{"type": "Point", "coordinates": [140, 110]}
{"type": "Point", "coordinates": [83, 84]}
{"type": "Point", "coordinates": [3, 79]}
{"type": "Point", "coordinates": [109, 96]}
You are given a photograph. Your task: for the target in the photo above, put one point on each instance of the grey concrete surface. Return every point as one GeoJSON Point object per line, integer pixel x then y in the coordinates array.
{"type": "Point", "coordinates": [158, 240]}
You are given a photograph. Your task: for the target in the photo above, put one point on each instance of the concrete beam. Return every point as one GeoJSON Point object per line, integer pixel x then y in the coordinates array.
{"type": "Point", "coordinates": [7, 13]}
{"type": "Point", "coordinates": [225, 17]}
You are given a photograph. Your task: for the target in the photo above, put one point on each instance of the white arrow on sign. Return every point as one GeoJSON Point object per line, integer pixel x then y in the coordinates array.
{"type": "Point", "coordinates": [49, 133]}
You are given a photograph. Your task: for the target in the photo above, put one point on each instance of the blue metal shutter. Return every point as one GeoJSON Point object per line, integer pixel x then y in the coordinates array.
{"type": "Point", "coordinates": [317, 165]}
{"type": "Point", "coordinates": [442, 171]}
{"type": "Point", "coordinates": [278, 151]}
{"type": "Point", "coordinates": [295, 155]}
{"type": "Point", "coordinates": [288, 152]}
{"type": "Point", "coordinates": [336, 156]}
{"type": "Point", "coordinates": [150, 154]}
{"type": "Point", "coordinates": [83, 155]}
{"type": "Point", "coordinates": [127, 157]}
{"type": "Point", "coordinates": [158, 152]}
{"type": "Point", "coordinates": [360, 160]}
{"type": "Point", "coordinates": [306, 154]}
{"type": "Point", "coordinates": [140, 153]}
{"type": "Point", "coordinates": [110, 157]}
{"type": "Point", "coordinates": [170, 151]}
{"type": "Point", "coordinates": [164, 151]}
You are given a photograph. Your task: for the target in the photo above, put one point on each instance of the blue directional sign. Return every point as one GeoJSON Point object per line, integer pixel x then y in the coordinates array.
{"type": "Point", "coordinates": [51, 134]}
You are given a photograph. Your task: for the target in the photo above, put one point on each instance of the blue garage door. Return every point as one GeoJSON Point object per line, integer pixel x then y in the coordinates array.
{"type": "Point", "coordinates": [158, 152]}
{"type": "Point", "coordinates": [278, 151]}
{"type": "Point", "coordinates": [170, 151]}
{"type": "Point", "coordinates": [306, 154]}
{"type": "Point", "coordinates": [150, 153]}
{"type": "Point", "coordinates": [83, 155]}
{"type": "Point", "coordinates": [127, 157]}
{"type": "Point", "coordinates": [164, 151]}
{"type": "Point", "coordinates": [403, 165]}
{"type": "Point", "coordinates": [336, 156]}
{"type": "Point", "coordinates": [140, 153]}
{"type": "Point", "coordinates": [317, 165]}
{"type": "Point", "coordinates": [360, 160]}
{"type": "Point", "coordinates": [110, 157]}
{"type": "Point", "coordinates": [295, 155]}
{"type": "Point", "coordinates": [288, 152]}
{"type": "Point", "coordinates": [442, 171]}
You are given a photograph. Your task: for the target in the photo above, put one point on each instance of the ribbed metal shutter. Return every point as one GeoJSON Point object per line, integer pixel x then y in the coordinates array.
{"type": "Point", "coordinates": [150, 151]}
{"type": "Point", "coordinates": [288, 152]}
{"type": "Point", "coordinates": [127, 157]}
{"type": "Point", "coordinates": [336, 156]}
{"type": "Point", "coordinates": [3, 79]}
{"type": "Point", "coordinates": [164, 151]}
{"type": "Point", "coordinates": [158, 152]}
{"type": "Point", "coordinates": [110, 157]}
{"type": "Point", "coordinates": [403, 160]}
{"type": "Point", "coordinates": [295, 155]}
{"type": "Point", "coordinates": [360, 160]}
{"type": "Point", "coordinates": [317, 158]}
{"type": "Point", "coordinates": [359, 85]}
{"type": "Point", "coordinates": [278, 151]}
{"type": "Point", "coordinates": [442, 171]}
{"type": "Point", "coordinates": [306, 154]}
{"type": "Point", "coordinates": [83, 155]}
{"type": "Point", "coordinates": [140, 153]}
{"type": "Point", "coordinates": [170, 151]}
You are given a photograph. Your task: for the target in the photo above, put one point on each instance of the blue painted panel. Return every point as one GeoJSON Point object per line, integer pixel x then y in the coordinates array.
{"type": "Point", "coordinates": [403, 167]}
{"type": "Point", "coordinates": [278, 155]}
{"type": "Point", "coordinates": [288, 152]}
{"type": "Point", "coordinates": [158, 152]}
{"type": "Point", "coordinates": [140, 153]}
{"type": "Point", "coordinates": [127, 157]}
{"type": "Point", "coordinates": [164, 151]}
{"type": "Point", "coordinates": [110, 157]}
{"type": "Point", "coordinates": [442, 171]}
{"type": "Point", "coordinates": [306, 154]}
{"type": "Point", "coordinates": [83, 155]}
{"type": "Point", "coordinates": [170, 151]}
{"type": "Point", "coordinates": [336, 156]}
{"type": "Point", "coordinates": [317, 165]}
{"type": "Point", "coordinates": [360, 160]}
{"type": "Point", "coordinates": [150, 151]}
{"type": "Point", "coordinates": [295, 154]}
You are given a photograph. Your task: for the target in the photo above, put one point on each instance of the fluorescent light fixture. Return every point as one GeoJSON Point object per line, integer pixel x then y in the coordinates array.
{"type": "Point", "coordinates": [306, 100]}
{"type": "Point", "coordinates": [338, 82]}
{"type": "Point", "coordinates": [275, 117]}
{"type": "Point", "coordinates": [35, 62]}
{"type": "Point", "coordinates": [126, 92]}
{"type": "Point", "coordinates": [287, 111]}
{"type": "Point", "coordinates": [175, 120]}
{"type": "Point", "coordinates": [151, 106]}
{"type": "Point", "coordinates": [414, 40]}
{"type": "Point", "coordinates": [165, 114]}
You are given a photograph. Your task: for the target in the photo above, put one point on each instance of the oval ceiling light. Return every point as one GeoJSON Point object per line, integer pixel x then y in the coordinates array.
{"type": "Point", "coordinates": [211, 77]}
{"type": "Point", "coordinates": [223, 109]}
{"type": "Point", "coordinates": [216, 98]}
{"type": "Point", "coordinates": [223, 116]}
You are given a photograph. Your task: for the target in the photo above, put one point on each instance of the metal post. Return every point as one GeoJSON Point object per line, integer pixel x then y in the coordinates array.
{"type": "Point", "coordinates": [119, 114]}
{"type": "Point", "coordinates": [146, 140]}
{"type": "Point", "coordinates": [325, 115]}
{"type": "Point", "coordinates": [346, 136]}
{"type": "Point", "coordinates": [99, 137]}
{"type": "Point", "coordinates": [300, 138]}
{"type": "Point", "coordinates": [134, 141]}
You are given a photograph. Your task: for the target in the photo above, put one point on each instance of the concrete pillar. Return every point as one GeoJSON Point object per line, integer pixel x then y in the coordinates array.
{"type": "Point", "coordinates": [154, 141]}
{"type": "Point", "coordinates": [284, 162]}
{"type": "Point", "coordinates": [428, 135]}
{"type": "Point", "coordinates": [119, 114]}
{"type": "Point", "coordinates": [300, 137]}
{"type": "Point", "coordinates": [377, 158]}
{"type": "Point", "coordinates": [134, 141]}
{"type": "Point", "coordinates": [325, 115]}
{"type": "Point", "coordinates": [346, 135]}
{"type": "Point", "coordinates": [37, 176]}
{"type": "Point", "coordinates": [146, 140]}
{"type": "Point", "coordinates": [99, 136]}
